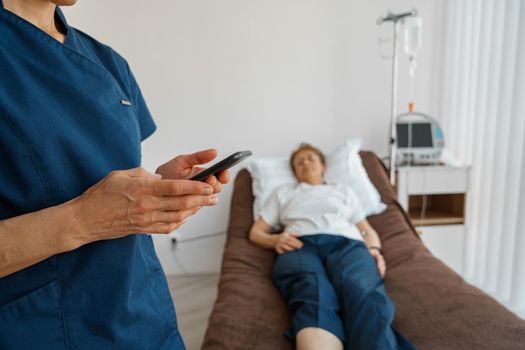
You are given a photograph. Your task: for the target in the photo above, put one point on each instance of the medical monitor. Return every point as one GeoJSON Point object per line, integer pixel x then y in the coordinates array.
{"type": "Point", "coordinates": [419, 140]}
{"type": "Point", "coordinates": [414, 135]}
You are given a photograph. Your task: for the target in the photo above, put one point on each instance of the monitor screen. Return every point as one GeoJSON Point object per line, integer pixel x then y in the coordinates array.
{"type": "Point", "coordinates": [421, 135]}
{"type": "Point", "coordinates": [402, 135]}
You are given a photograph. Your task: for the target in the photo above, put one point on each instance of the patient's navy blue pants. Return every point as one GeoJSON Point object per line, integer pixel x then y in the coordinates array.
{"type": "Point", "coordinates": [333, 283]}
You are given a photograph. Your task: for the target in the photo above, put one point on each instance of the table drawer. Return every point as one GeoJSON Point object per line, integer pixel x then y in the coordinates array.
{"type": "Point", "coordinates": [436, 181]}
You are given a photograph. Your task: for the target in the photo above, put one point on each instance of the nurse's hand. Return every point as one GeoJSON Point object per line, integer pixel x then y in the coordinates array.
{"type": "Point", "coordinates": [287, 242]}
{"type": "Point", "coordinates": [185, 167]}
{"type": "Point", "coordinates": [136, 201]}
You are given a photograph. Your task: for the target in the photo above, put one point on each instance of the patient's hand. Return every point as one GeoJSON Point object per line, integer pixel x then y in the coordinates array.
{"type": "Point", "coordinates": [185, 166]}
{"type": "Point", "coordinates": [380, 261]}
{"type": "Point", "coordinates": [287, 242]}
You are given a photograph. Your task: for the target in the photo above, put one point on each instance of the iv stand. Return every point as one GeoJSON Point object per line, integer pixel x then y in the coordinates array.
{"type": "Point", "coordinates": [397, 20]}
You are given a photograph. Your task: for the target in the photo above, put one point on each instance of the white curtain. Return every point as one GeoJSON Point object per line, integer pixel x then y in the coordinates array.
{"type": "Point", "coordinates": [483, 116]}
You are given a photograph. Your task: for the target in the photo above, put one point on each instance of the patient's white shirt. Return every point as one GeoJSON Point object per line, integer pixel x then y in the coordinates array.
{"type": "Point", "coordinates": [312, 209]}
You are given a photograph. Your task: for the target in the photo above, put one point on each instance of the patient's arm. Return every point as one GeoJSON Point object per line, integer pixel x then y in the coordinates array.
{"type": "Point", "coordinates": [261, 235]}
{"type": "Point", "coordinates": [372, 240]}
{"type": "Point", "coordinates": [369, 234]}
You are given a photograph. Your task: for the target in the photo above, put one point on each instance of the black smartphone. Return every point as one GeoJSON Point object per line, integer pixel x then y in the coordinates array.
{"type": "Point", "coordinates": [224, 164]}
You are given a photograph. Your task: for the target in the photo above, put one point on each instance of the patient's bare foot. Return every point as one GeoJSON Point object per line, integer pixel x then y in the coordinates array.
{"type": "Point", "coordinates": [317, 338]}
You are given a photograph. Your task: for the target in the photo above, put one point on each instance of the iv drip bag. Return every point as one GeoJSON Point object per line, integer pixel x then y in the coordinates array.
{"type": "Point", "coordinates": [413, 35]}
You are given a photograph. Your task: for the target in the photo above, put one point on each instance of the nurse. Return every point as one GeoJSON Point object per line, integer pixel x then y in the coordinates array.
{"type": "Point", "coordinates": [77, 267]}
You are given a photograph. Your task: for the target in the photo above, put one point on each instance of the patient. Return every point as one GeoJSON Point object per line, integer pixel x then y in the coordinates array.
{"type": "Point", "coordinates": [330, 267]}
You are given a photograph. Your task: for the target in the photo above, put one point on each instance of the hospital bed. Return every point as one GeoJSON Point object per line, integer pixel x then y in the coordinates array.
{"type": "Point", "coordinates": [436, 308]}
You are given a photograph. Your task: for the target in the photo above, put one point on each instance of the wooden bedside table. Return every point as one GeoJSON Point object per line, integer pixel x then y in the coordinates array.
{"type": "Point", "coordinates": [435, 198]}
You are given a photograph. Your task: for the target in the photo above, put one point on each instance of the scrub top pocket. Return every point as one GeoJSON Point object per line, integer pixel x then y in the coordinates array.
{"type": "Point", "coordinates": [34, 321]}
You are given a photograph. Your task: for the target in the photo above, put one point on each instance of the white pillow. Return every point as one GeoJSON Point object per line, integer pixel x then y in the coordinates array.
{"type": "Point", "coordinates": [343, 166]}
{"type": "Point", "coordinates": [268, 174]}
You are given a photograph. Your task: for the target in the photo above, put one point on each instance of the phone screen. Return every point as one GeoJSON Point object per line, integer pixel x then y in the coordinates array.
{"type": "Point", "coordinates": [224, 164]}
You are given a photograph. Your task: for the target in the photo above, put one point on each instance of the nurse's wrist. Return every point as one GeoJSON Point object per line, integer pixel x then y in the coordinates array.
{"type": "Point", "coordinates": [58, 224]}
{"type": "Point", "coordinates": [77, 232]}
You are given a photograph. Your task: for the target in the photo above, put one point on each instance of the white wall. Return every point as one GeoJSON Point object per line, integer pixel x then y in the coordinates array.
{"type": "Point", "coordinates": [262, 75]}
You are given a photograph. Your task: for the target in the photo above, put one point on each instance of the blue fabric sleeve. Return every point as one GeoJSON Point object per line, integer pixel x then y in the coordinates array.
{"type": "Point", "coordinates": [147, 125]}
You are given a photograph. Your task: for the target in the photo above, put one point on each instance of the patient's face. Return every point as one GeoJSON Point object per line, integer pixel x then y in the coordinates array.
{"type": "Point", "coordinates": [308, 167]}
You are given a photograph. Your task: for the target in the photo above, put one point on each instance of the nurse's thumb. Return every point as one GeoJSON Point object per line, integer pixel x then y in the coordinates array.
{"type": "Point", "coordinates": [200, 157]}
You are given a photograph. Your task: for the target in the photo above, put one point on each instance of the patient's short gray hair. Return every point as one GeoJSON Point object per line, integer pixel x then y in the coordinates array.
{"type": "Point", "coordinates": [308, 147]}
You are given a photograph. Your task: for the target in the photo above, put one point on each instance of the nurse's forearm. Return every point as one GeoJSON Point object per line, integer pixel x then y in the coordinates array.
{"type": "Point", "coordinates": [124, 202]}
{"type": "Point", "coordinates": [30, 238]}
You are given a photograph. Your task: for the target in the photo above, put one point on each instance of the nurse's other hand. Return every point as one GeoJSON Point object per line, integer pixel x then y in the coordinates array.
{"type": "Point", "coordinates": [185, 167]}
{"type": "Point", "coordinates": [380, 261]}
{"type": "Point", "coordinates": [287, 242]}
{"type": "Point", "coordinates": [136, 201]}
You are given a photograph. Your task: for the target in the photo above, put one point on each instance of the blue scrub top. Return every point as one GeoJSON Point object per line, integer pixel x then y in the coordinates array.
{"type": "Point", "coordinates": [64, 125]}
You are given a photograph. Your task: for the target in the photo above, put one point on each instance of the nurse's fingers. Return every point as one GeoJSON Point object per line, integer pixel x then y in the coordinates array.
{"type": "Point", "coordinates": [224, 176]}
{"type": "Point", "coordinates": [180, 187]}
{"type": "Point", "coordinates": [173, 217]}
{"type": "Point", "coordinates": [201, 157]}
{"type": "Point", "coordinates": [216, 184]}
{"type": "Point", "coordinates": [164, 227]}
{"type": "Point", "coordinates": [186, 202]}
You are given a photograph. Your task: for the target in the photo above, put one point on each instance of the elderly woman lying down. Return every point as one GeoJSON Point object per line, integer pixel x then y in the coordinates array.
{"type": "Point", "coordinates": [330, 267]}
